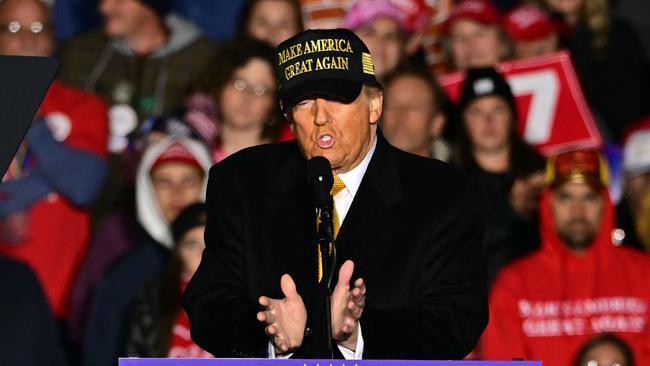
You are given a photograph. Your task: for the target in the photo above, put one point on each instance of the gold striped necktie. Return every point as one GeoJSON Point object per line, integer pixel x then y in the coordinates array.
{"type": "Point", "coordinates": [337, 187]}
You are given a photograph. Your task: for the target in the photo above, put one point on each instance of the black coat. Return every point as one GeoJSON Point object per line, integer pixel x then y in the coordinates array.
{"type": "Point", "coordinates": [413, 231]}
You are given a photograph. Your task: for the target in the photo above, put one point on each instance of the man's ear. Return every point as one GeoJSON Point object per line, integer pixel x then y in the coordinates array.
{"type": "Point", "coordinates": [375, 102]}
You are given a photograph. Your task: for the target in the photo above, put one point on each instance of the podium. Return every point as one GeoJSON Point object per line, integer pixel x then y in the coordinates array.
{"type": "Point", "coordinates": [298, 362]}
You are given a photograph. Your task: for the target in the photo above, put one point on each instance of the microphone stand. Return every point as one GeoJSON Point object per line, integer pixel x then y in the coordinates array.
{"type": "Point", "coordinates": [325, 238]}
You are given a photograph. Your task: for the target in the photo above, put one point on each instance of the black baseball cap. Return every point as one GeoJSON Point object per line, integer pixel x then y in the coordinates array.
{"type": "Point", "coordinates": [332, 63]}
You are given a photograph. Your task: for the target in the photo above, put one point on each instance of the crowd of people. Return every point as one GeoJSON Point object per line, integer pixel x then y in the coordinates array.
{"type": "Point", "coordinates": [101, 210]}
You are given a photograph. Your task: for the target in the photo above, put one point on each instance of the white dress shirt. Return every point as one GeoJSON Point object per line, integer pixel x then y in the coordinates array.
{"type": "Point", "coordinates": [342, 202]}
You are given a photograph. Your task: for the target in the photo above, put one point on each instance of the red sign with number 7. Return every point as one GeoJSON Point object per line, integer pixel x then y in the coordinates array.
{"type": "Point", "coordinates": [553, 113]}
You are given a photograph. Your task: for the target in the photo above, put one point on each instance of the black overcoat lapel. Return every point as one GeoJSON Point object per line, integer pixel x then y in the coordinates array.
{"type": "Point", "coordinates": [370, 223]}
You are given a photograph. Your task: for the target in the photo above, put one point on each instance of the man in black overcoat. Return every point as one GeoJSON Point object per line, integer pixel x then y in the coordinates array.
{"type": "Point", "coordinates": [410, 277]}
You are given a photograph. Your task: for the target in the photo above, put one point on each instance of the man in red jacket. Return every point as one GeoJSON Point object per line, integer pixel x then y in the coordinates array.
{"type": "Point", "coordinates": [579, 283]}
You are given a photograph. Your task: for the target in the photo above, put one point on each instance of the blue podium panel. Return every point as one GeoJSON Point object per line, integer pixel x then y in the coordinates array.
{"type": "Point", "coordinates": [297, 362]}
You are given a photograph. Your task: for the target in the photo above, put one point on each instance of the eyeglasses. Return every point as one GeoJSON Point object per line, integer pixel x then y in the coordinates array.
{"type": "Point", "coordinates": [16, 28]}
{"type": "Point", "coordinates": [258, 89]}
{"type": "Point", "coordinates": [401, 109]}
{"type": "Point", "coordinates": [596, 363]}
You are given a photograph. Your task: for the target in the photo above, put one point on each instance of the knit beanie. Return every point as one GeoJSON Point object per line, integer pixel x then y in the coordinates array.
{"type": "Point", "coordinates": [192, 216]}
{"type": "Point", "coordinates": [483, 82]}
{"type": "Point", "coordinates": [161, 7]}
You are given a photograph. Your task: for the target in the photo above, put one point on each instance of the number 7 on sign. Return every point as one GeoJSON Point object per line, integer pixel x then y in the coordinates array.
{"type": "Point", "coordinates": [544, 88]}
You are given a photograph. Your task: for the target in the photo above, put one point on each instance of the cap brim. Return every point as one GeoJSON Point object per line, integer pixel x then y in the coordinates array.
{"type": "Point", "coordinates": [522, 36]}
{"type": "Point", "coordinates": [345, 91]}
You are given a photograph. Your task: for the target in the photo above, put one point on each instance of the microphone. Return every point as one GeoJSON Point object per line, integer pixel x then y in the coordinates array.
{"type": "Point", "coordinates": [320, 180]}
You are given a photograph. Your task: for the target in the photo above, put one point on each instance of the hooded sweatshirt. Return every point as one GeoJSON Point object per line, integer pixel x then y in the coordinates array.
{"type": "Point", "coordinates": [123, 258]}
{"type": "Point", "coordinates": [548, 304]}
{"type": "Point", "coordinates": [150, 215]}
{"type": "Point", "coordinates": [152, 84]}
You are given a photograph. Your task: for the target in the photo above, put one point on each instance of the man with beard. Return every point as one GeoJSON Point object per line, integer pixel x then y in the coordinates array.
{"type": "Point", "coordinates": [579, 283]}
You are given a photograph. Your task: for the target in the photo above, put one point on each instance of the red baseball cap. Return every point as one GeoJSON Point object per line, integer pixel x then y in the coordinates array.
{"type": "Point", "coordinates": [477, 10]}
{"type": "Point", "coordinates": [527, 23]}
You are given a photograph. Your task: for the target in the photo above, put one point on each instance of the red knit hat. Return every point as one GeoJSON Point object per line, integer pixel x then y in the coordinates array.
{"type": "Point", "coordinates": [527, 23]}
{"type": "Point", "coordinates": [176, 152]}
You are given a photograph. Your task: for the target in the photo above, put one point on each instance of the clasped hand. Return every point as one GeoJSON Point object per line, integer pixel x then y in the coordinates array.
{"type": "Point", "coordinates": [286, 318]}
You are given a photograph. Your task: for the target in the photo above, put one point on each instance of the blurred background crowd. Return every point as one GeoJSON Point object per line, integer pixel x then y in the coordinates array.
{"type": "Point", "coordinates": [101, 220]}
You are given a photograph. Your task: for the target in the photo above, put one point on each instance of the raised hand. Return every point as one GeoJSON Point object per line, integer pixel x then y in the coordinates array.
{"type": "Point", "coordinates": [285, 318]}
{"type": "Point", "coordinates": [347, 307]}
{"type": "Point", "coordinates": [525, 194]}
